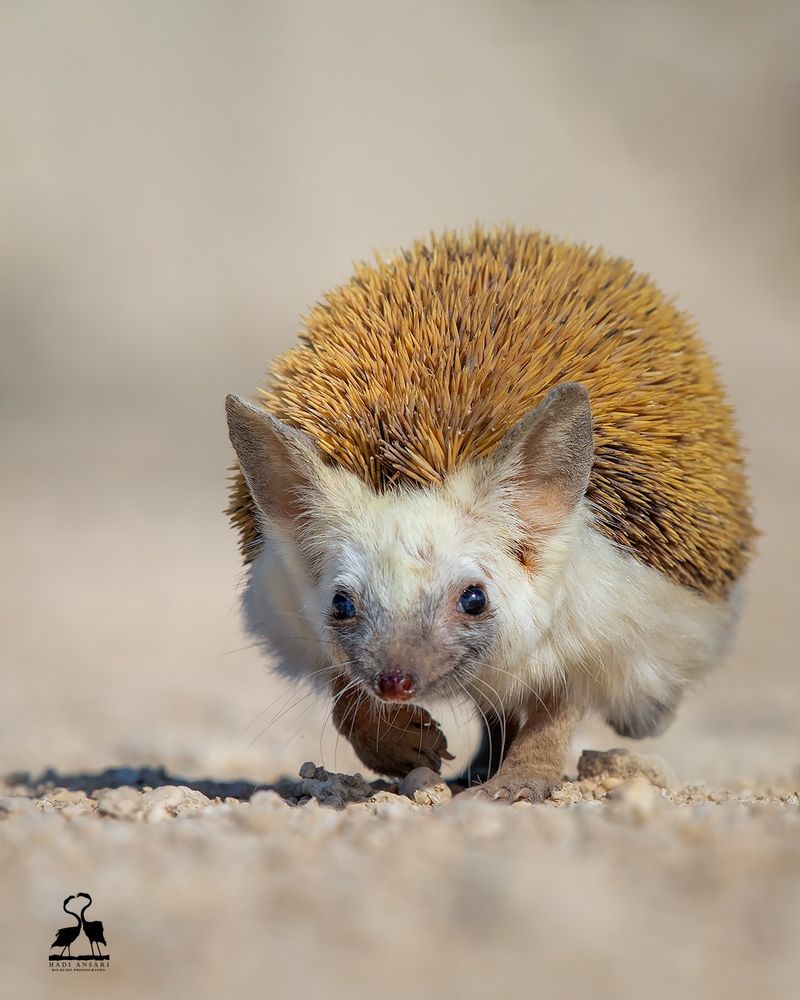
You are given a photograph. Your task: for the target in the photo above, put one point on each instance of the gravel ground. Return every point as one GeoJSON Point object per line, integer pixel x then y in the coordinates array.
{"type": "Point", "coordinates": [626, 884]}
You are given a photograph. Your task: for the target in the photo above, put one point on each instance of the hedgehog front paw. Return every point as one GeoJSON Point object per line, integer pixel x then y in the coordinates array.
{"type": "Point", "coordinates": [508, 788]}
{"type": "Point", "coordinates": [407, 737]}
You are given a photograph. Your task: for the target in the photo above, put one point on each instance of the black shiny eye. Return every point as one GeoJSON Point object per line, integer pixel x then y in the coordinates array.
{"type": "Point", "coordinates": [342, 606]}
{"type": "Point", "coordinates": [473, 601]}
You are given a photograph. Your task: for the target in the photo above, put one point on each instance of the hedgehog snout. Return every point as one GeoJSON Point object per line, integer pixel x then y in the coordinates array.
{"type": "Point", "coordinates": [395, 685]}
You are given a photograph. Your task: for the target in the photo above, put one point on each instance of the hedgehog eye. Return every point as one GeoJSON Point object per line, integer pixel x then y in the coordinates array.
{"type": "Point", "coordinates": [342, 606]}
{"type": "Point", "coordinates": [473, 601]}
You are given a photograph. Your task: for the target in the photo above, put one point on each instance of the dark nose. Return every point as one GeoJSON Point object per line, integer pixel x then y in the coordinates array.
{"type": "Point", "coordinates": [395, 685]}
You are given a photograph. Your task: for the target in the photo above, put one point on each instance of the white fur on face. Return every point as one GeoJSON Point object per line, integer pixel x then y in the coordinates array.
{"type": "Point", "coordinates": [408, 544]}
{"type": "Point", "coordinates": [586, 616]}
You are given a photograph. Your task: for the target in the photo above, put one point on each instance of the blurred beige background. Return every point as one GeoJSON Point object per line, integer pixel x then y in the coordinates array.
{"type": "Point", "coordinates": [180, 181]}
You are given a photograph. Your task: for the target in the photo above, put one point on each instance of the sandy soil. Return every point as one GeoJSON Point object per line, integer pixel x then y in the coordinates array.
{"type": "Point", "coordinates": [178, 185]}
{"type": "Point", "coordinates": [616, 887]}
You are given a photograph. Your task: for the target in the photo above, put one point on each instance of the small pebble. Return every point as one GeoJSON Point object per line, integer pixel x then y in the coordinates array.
{"type": "Point", "coordinates": [425, 786]}
{"type": "Point", "coordinates": [171, 800]}
{"type": "Point", "coordinates": [268, 800]}
{"type": "Point", "coordinates": [622, 764]}
{"type": "Point", "coordinates": [119, 803]}
{"type": "Point", "coordinates": [634, 799]}
{"type": "Point", "coordinates": [388, 805]}
{"type": "Point", "coordinates": [568, 793]}
{"type": "Point", "coordinates": [17, 805]}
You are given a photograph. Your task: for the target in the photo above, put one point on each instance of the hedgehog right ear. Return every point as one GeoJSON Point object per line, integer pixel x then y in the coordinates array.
{"type": "Point", "coordinates": [546, 458]}
{"type": "Point", "coordinates": [280, 464]}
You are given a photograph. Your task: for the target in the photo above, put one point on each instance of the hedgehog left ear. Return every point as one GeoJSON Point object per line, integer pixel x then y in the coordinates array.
{"type": "Point", "coordinates": [546, 458]}
{"type": "Point", "coordinates": [281, 465]}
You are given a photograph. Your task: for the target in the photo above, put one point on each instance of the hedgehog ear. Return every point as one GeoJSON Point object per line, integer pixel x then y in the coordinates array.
{"type": "Point", "coordinates": [548, 455]}
{"type": "Point", "coordinates": [281, 465]}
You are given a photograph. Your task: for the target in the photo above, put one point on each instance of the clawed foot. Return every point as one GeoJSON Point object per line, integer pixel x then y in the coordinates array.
{"type": "Point", "coordinates": [390, 739]}
{"type": "Point", "coordinates": [511, 788]}
{"type": "Point", "coordinates": [407, 737]}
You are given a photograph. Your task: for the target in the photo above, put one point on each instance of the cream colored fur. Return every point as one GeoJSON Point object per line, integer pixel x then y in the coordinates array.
{"type": "Point", "coordinates": [588, 618]}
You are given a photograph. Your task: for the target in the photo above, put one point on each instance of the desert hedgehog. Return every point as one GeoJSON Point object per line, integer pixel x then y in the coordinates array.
{"type": "Point", "coordinates": [501, 467]}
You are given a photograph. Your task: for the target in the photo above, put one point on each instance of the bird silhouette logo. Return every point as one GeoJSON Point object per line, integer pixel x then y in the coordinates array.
{"type": "Point", "coordinates": [66, 937]}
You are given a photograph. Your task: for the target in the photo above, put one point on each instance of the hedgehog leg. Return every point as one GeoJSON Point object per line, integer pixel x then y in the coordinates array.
{"type": "Point", "coordinates": [534, 764]}
{"type": "Point", "coordinates": [647, 716]}
{"type": "Point", "coordinates": [390, 739]}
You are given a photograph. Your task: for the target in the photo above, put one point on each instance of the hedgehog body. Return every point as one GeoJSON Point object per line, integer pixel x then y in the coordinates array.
{"type": "Point", "coordinates": [423, 362]}
{"type": "Point", "coordinates": [549, 396]}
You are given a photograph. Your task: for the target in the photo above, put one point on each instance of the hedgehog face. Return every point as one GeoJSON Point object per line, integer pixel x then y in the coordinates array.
{"type": "Point", "coordinates": [418, 590]}
{"type": "Point", "coordinates": [408, 597]}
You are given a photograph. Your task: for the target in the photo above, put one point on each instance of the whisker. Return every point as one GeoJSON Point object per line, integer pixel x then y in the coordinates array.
{"type": "Point", "coordinates": [287, 708]}
{"type": "Point", "coordinates": [243, 649]}
{"type": "Point", "coordinates": [296, 731]}
{"type": "Point", "coordinates": [361, 696]}
{"type": "Point", "coordinates": [302, 680]}
{"type": "Point", "coordinates": [265, 643]}
{"type": "Point", "coordinates": [483, 716]}
{"type": "Point", "coordinates": [334, 701]}
{"type": "Point", "coordinates": [501, 715]}
{"type": "Point", "coordinates": [533, 691]}
{"type": "Point", "coordinates": [353, 707]}
{"type": "Point", "coordinates": [282, 711]}
{"type": "Point", "coordinates": [456, 700]}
